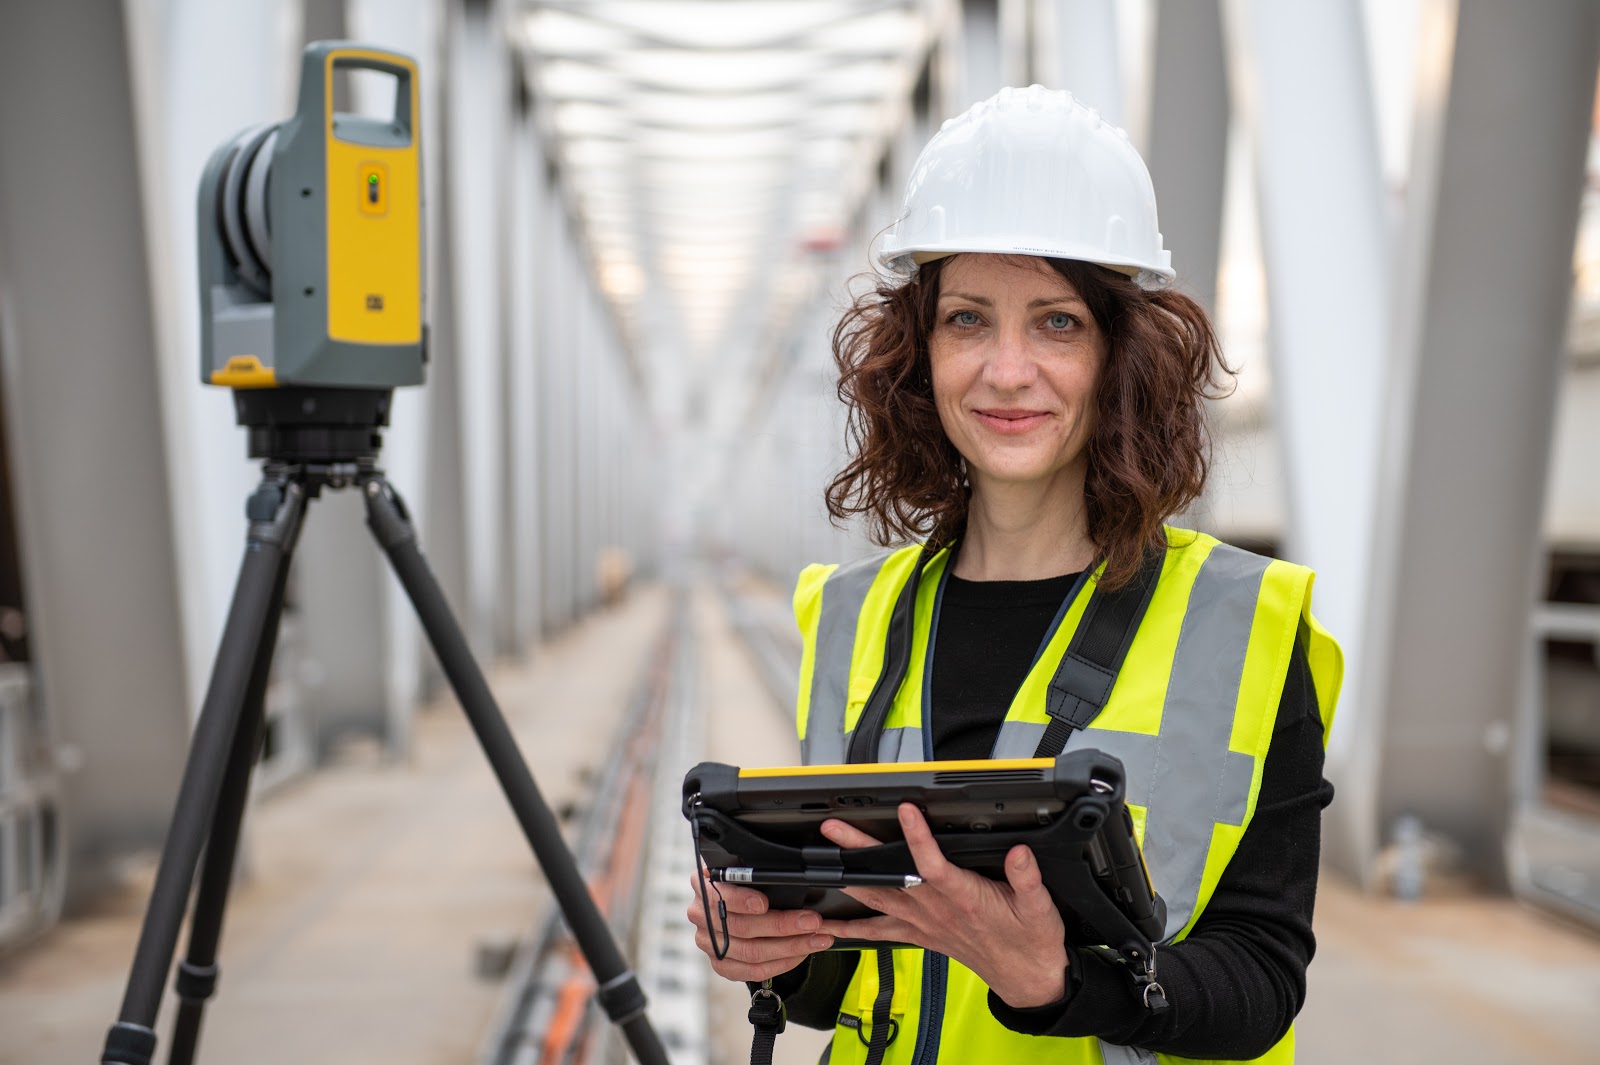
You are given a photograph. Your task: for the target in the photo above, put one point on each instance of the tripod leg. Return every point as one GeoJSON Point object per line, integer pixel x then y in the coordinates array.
{"type": "Point", "coordinates": [275, 512]}
{"type": "Point", "coordinates": [619, 993]}
{"type": "Point", "coordinates": [197, 972]}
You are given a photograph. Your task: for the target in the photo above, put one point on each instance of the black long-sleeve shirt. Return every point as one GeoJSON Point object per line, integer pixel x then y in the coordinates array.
{"type": "Point", "coordinates": [1238, 980]}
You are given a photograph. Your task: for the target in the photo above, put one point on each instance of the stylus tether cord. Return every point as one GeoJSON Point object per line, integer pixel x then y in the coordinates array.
{"type": "Point", "coordinates": [703, 871]}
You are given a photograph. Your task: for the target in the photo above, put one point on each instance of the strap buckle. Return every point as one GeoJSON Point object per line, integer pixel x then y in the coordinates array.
{"type": "Point", "coordinates": [859, 1026]}
{"type": "Point", "coordinates": [766, 1011]}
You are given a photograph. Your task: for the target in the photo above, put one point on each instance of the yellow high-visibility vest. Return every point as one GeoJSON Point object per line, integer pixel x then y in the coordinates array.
{"type": "Point", "coordinates": [1191, 716]}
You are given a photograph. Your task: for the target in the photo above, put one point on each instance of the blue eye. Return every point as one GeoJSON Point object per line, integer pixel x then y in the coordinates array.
{"type": "Point", "coordinates": [1060, 320]}
{"type": "Point", "coordinates": [964, 318]}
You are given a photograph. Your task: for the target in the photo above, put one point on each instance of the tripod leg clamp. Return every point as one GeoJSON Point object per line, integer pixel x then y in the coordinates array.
{"type": "Point", "coordinates": [386, 514]}
{"type": "Point", "coordinates": [129, 1044]}
{"type": "Point", "coordinates": [195, 983]}
{"type": "Point", "coordinates": [622, 998]}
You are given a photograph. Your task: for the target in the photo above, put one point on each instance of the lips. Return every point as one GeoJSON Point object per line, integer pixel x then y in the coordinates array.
{"type": "Point", "coordinates": [1010, 421]}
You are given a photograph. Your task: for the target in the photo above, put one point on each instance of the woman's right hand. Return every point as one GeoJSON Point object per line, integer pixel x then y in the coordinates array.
{"type": "Point", "coordinates": [761, 945]}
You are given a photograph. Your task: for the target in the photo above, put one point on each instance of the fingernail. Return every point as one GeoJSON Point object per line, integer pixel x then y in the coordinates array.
{"type": "Point", "coordinates": [757, 905]}
{"type": "Point", "coordinates": [821, 942]}
{"type": "Point", "coordinates": [810, 922]}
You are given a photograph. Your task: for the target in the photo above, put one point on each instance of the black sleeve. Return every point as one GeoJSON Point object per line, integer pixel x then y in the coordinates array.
{"type": "Point", "coordinates": [1237, 982]}
{"type": "Point", "coordinates": [812, 991]}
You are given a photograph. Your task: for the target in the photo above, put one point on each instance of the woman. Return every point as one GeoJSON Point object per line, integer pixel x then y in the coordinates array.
{"type": "Point", "coordinates": [1030, 402]}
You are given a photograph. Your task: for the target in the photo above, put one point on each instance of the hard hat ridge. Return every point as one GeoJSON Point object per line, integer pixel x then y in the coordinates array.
{"type": "Point", "coordinates": [1031, 172]}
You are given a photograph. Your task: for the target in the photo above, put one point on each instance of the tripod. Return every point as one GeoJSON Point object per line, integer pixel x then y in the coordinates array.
{"type": "Point", "coordinates": [312, 440]}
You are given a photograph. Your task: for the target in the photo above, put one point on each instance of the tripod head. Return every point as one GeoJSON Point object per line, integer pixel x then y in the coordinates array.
{"type": "Point", "coordinates": [314, 426]}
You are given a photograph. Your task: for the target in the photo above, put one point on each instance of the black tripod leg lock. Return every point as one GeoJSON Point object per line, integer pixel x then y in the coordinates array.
{"type": "Point", "coordinates": [263, 504]}
{"type": "Point", "coordinates": [275, 512]}
{"type": "Point", "coordinates": [621, 997]}
{"type": "Point", "coordinates": [195, 983]}
{"type": "Point", "coordinates": [387, 516]}
{"type": "Point", "coordinates": [129, 1044]}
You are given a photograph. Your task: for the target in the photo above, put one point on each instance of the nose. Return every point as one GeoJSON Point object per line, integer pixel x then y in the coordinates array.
{"type": "Point", "coordinates": [1009, 365]}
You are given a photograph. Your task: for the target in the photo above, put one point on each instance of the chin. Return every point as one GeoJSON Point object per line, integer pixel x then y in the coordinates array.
{"type": "Point", "coordinates": [1017, 473]}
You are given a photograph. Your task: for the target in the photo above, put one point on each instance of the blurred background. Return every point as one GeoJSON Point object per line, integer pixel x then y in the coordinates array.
{"type": "Point", "coordinates": [643, 218]}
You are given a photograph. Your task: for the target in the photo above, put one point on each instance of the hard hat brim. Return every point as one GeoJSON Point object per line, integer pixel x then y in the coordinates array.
{"type": "Point", "coordinates": [905, 261]}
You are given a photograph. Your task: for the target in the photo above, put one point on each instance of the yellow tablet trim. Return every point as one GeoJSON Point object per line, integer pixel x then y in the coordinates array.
{"type": "Point", "coordinates": [900, 767]}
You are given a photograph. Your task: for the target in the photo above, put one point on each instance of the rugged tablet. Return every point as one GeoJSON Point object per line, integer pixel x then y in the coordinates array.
{"type": "Point", "coordinates": [762, 827]}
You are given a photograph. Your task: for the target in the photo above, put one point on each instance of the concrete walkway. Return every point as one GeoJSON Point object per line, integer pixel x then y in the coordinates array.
{"type": "Point", "coordinates": [353, 941]}
{"type": "Point", "coordinates": [1467, 980]}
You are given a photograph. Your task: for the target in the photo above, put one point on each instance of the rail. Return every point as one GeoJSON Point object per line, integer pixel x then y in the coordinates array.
{"type": "Point", "coordinates": [625, 848]}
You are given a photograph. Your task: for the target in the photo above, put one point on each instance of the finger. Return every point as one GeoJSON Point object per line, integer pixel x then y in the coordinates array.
{"type": "Point", "coordinates": [755, 973]}
{"type": "Point", "coordinates": [734, 967]}
{"type": "Point", "coordinates": [876, 929]}
{"type": "Point", "coordinates": [847, 836]}
{"type": "Point", "coordinates": [891, 901]}
{"type": "Point", "coordinates": [758, 924]}
{"type": "Point", "coordinates": [761, 951]}
{"type": "Point", "coordinates": [773, 925]}
{"type": "Point", "coordinates": [932, 865]}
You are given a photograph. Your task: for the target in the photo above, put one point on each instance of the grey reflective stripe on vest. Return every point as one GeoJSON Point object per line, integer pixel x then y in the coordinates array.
{"type": "Point", "coordinates": [900, 745]}
{"type": "Point", "coordinates": [1017, 739]}
{"type": "Point", "coordinates": [1185, 776]}
{"type": "Point", "coordinates": [1121, 1055]}
{"type": "Point", "coordinates": [843, 595]}
{"type": "Point", "coordinates": [1197, 781]}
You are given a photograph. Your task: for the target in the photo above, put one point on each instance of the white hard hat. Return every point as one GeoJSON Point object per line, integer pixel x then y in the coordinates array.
{"type": "Point", "coordinates": [1031, 172]}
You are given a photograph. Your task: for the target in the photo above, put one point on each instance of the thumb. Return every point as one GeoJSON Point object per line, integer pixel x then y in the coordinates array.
{"type": "Point", "coordinates": [1022, 873]}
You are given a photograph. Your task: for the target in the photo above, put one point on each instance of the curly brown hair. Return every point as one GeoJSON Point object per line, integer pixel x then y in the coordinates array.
{"type": "Point", "coordinates": [1148, 455]}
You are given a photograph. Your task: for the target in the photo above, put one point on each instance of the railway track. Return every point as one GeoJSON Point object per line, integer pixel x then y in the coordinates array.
{"type": "Point", "coordinates": [634, 851]}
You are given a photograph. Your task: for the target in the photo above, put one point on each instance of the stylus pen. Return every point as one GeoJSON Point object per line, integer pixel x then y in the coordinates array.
{"type": "Point", "coordinates": [743, 874]}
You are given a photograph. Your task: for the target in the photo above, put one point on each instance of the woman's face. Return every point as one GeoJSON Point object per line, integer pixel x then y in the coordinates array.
{"type": "Point", "coordinates": [1016, 356]}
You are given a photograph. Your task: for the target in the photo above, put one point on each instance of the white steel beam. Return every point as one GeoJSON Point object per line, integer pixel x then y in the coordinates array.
{"type": "Point", "coordinates": [1300, 82]}
{"type": "Point", "coordinates": [444, 475]}
{"type": "Point", "coordinates": [478, 93]}
{"type": "Point", "coordinates": [84, 435]}
{"type": "Point", "coordinates": [529, 296]}
{"type": "Point", "coordinates": [1075, 47]}
{"type": "Point", "coordinates": [978, 70]}
{"type": "Point", "coordinates": [1503, 127]}
{"type": "Point", "coordinates": [1188, 135]}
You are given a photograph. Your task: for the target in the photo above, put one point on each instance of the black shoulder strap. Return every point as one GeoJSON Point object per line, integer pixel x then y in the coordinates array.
{"type": "Point", "coordinates": [1082, 682]}
{"type": "Point", "coordinates": [896, 661]}
{"type": "Point", "coordinates": [864, 748]}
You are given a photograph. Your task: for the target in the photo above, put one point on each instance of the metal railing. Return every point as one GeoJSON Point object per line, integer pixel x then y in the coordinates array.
{"type": "Point", "coordinates": [32, 852]}
{"type": "Point", "coordinates": [1553, 854]}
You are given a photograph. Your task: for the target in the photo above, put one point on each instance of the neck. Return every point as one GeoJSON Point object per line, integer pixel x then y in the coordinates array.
{"type": "Point", "coordinates": [1026, 531]}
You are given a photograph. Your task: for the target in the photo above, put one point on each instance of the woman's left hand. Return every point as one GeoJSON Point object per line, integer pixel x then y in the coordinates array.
{"type": "Point", "coordinates": [1010, 934]}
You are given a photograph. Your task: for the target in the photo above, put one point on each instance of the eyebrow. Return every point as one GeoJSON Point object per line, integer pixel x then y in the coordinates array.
{"type": "Point", "coordinates": [985, 301]}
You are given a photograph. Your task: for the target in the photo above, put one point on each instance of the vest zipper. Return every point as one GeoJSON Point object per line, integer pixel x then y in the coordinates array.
{"type": "Point", "coordinates": [930, 1018]}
